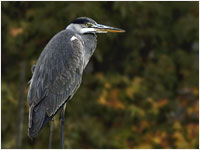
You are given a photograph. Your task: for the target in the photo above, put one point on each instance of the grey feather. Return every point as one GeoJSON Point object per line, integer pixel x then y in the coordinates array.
{"type": "Point", "coordinates": [57, 75]}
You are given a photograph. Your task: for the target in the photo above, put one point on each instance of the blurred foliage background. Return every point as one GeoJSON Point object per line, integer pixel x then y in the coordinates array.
{"type": "Point", "coordinates": [140, 89]}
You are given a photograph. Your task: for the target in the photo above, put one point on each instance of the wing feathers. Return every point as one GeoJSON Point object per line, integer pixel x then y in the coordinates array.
{"type": "Point", "coordinates": [37, 121]}
{"type": "Point", "coordinates": [56, 77]}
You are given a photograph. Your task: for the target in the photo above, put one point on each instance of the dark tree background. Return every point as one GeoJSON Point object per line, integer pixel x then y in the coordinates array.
{"type": "Point", "coordinates": [140, 89]}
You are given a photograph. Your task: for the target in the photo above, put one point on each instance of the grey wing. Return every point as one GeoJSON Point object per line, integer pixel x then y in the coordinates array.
{"type": "Point", "coordinates": [56, 77]}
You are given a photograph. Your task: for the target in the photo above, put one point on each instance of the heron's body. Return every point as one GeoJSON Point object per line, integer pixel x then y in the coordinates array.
{"type": "Point", "coordinates": [57, 75]}
{"type": "Point", "coordinates": [58, 72]}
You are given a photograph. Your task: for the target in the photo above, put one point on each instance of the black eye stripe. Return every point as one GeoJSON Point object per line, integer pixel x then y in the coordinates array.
{"type": "Point", "coordinates": [83, 20]}
{"type": "Point", "coordinates": [80, 21]}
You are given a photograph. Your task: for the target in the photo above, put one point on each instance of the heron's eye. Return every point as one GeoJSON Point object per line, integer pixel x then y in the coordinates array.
{"type": "Point", "coordinates": [88, 25]}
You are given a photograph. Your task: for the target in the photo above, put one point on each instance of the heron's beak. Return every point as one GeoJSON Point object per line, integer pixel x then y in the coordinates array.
{"type": "Point", "coordinates": [99, 28]}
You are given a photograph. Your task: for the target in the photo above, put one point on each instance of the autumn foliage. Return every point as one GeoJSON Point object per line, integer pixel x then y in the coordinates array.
{"type": "Point", "coordinates": [140, 89]}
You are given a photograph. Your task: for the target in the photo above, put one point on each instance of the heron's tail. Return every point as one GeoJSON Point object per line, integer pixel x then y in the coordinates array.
{"type": "Point", "coordinates": [36, 120]}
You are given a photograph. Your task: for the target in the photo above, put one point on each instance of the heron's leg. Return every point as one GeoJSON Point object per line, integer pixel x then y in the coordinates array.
{"type": "Point", "coordinates": [51, 133]}
{"type": "Point", "coordinates": [62, 125]}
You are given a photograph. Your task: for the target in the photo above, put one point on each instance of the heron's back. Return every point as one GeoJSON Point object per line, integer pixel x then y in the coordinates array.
{"type": "Point", "coordinates": [55, 79]}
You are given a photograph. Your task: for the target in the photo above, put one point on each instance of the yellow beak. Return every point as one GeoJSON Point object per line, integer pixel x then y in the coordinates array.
{"type": "Point", "coordinates": [104, 29]}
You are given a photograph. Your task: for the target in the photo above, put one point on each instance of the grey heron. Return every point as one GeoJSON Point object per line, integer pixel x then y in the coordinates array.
{"type": "Point", "coordinates": [58, 72]}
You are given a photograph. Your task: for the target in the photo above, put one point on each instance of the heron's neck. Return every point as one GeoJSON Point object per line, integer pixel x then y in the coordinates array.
{"type": "Point", "coordinates": [90, 43]}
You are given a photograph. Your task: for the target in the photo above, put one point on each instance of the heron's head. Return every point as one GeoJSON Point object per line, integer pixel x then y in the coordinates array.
{"type": "Point", "coordinates": [85, 25]}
